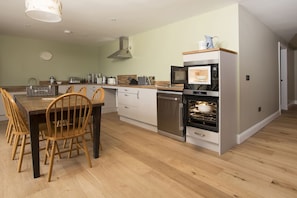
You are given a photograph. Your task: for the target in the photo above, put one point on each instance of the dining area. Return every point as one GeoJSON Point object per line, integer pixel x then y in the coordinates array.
{"type": "Point", "coordinates": [51, 126]}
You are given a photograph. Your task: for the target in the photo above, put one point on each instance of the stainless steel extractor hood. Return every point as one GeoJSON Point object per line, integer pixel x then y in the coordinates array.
{"type": "Point", "coordinates": [124, 51]}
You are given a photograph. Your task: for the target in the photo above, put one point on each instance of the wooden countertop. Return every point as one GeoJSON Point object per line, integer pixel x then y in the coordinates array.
{"type": "Point", "coordinates": [209, 50]}
{"type": "Point", "coordinates": [159, 87]}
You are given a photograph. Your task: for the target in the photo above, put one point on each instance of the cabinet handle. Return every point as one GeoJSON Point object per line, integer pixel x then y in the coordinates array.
{"type": "Point", "coordinates": [126, 94]}
{"type": "Point", "coordinates": [180, 113]}
{"type": "Point", "coordinates": [168, 98]}
{"type": "Point", "coordinates": [126, 107]}
{"type": "Point", "coordinates": [200, 134]}
{"type": "Point", "coordinates": [137, 94]}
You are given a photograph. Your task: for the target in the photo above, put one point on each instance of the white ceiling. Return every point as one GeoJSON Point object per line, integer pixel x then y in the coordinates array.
{"type": "Point", "coordinates": [96, 21]}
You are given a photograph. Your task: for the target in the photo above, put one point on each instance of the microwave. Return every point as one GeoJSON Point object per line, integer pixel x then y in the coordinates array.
{"type": "Point", "coordinates": [178, 75]}
{"type": "Point", "coordinates": [202, 77]}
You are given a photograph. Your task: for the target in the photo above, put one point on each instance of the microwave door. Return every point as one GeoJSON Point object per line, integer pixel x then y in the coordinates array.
{"type": "Point", "coordinates": [179, 75]}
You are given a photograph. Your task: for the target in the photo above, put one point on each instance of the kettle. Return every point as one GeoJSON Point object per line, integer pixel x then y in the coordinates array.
{"type": "Point", "coordinates": [209, 43]}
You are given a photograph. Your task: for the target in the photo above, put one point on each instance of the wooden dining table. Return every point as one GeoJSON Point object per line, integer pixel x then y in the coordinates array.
{"type": "Point", "coordinates": [34, 108]}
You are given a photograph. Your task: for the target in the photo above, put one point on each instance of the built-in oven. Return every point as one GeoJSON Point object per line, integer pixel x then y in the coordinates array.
{"type": "Point", "coordinates": [201, 95]}
{"type": "Point", "coordinates": [201, 111]}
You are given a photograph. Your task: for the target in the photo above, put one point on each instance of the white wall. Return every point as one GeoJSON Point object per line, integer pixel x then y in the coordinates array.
{"type": "Point", "coordinates": [295, 74]}
{"type": "Point", "coordinates": [258, 57]}
{"type": "Point", "coordinates": [291, 76]}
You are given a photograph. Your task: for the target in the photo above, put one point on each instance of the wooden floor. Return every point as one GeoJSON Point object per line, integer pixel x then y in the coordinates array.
{"type": "Point", "coordinates": [136, 163]}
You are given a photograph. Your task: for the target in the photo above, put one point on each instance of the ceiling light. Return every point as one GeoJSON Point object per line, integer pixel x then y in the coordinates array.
{"type": "Point", "coordinates": [44, 10]}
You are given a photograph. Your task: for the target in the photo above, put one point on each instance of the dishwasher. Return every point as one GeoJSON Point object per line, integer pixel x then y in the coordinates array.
{"type": "Point", "coordinates": [170, 114]}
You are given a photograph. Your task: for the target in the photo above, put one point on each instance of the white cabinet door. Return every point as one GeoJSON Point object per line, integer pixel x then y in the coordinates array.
{"type": "Point", "coordinates": [128, 99]}
{"type": "Point", "coordinates": [63, 88]}
{"type": "Point", "coordinates": [148, 106]}
{"type": "Point", "coordinates": [139, 104]}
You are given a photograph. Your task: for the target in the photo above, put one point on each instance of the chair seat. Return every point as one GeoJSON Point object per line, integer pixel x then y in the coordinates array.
{"type": "Point", "coordinates": [60, 136]}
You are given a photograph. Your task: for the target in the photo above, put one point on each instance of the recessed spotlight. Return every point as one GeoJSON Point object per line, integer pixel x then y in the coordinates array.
{"type": "Point", "coordinates": [67, 32]}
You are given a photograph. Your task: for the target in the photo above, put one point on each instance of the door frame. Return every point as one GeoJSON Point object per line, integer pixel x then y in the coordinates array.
{"type": "Point", "coordinates": [283, 76]}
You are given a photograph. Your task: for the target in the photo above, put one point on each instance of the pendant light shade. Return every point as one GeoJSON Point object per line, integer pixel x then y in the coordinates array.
{"type": "Point", "coordinates": [44, 10]}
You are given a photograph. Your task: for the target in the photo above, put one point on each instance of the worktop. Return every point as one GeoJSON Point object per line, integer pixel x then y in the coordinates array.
{"type": "Point", "coordinates": [22, 88]}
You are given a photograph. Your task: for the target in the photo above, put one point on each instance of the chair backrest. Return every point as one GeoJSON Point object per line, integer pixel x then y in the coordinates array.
{"type": "Point", "coordinates": [70, 89]}
{"type": "Point", "coordinates": [19, 124]}
{"type": "Point", "coordinates": [98, 95]}
{"type": "Point", "coordinates": [83, 91]}
{"type": "Point", "coordinates": [74, 110]}
{"type": "Point", "coordinates": [5, 98]}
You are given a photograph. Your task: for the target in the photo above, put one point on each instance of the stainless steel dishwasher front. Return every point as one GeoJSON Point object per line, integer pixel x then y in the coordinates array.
{"type": "Point", "coordinates": [170, 114]}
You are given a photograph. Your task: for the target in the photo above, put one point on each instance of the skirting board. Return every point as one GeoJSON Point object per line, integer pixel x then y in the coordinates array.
{"type": "Point", "coordinates": [254, 129]}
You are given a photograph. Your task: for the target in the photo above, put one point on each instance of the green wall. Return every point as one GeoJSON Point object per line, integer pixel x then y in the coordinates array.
{"type": "Point", "coordinates": [20, 60]}
{"type": "Point", "coordinates": [156, 50]}
{"type": "Point", "coordinates": [153, 51]}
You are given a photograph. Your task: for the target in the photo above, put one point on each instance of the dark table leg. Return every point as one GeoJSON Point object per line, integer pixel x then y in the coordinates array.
{"type": "Point", "coordinates": [96, 130]}
{"type": "Point", "coordinates": [34, 134]}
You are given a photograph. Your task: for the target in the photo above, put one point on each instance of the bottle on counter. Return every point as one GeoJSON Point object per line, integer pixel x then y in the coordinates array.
{"type": "Point", "coordinates": [89, 78]}
{"type": "Point", "coordinates": [103, 79]}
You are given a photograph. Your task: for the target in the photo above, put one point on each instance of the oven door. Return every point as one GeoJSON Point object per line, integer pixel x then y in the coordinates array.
{"type": "Point", "coordinates": [201, 112]}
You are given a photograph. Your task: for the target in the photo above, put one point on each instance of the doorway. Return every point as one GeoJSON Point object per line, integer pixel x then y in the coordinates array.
{"type": "Point", "coordinates": [283, 77]}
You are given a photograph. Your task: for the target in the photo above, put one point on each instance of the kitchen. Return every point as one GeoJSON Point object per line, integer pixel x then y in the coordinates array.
{"type": "Point", "coordinates": [151, 51]}
{"type": "Point", "coordinates": [79, 60]}
{"type": "Point", "coordinates": [153, 55]}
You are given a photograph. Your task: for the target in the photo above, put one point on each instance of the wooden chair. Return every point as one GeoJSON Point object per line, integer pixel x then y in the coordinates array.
{"type": "Point", "coordinates": [20, 130]}
{"type": "Point", "coordinates": [83, 91]}
{"type": "Point", "coordinates": [98, 95]}
{"type": "Point", "coordinates": [70, 89]}
{"type": "Point", "coordinates": [73, 108]}
{"type": "Point", "coordinates": [5, 95]}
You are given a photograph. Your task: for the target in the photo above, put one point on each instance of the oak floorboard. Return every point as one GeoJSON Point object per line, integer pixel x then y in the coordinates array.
{"type": "Point", "coordinates": [138, 163]}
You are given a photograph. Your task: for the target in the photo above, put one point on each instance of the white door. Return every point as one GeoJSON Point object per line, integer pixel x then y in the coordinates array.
{"type": "Point", "coordinates": [283, 92]}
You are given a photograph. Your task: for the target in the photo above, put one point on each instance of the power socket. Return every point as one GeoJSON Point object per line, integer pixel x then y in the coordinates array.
{"type": "Point", "coordinates": [259, 109]}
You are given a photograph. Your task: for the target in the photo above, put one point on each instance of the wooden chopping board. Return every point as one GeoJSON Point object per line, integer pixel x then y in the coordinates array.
{"type": "Point", "coordinates": [124, 79]}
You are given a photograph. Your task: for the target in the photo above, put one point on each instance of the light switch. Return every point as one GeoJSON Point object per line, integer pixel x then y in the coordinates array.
{"type": "Point", "coordinates": [247, 77]}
